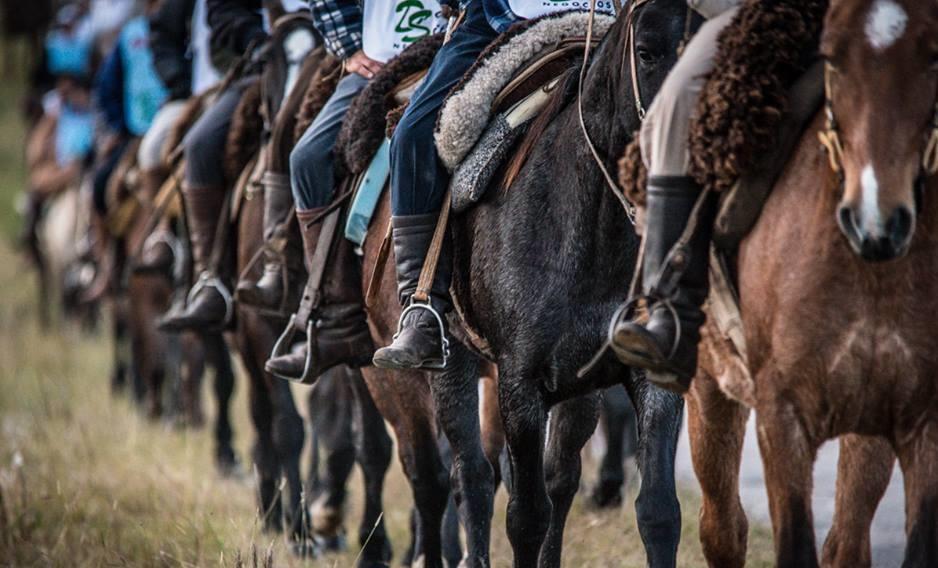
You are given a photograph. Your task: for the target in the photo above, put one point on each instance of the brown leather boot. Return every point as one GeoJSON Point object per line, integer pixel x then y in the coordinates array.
{"type": "Point", "coordinates": [209, 305]}
{"type": "Point", "coordinates": [335, 326]}
{"type": "Point", "coordinates": [102, 254]}
{"type": "Point", "coordinates": [283, 254]}
{"type": "Point", "coordinates": [157, 255]}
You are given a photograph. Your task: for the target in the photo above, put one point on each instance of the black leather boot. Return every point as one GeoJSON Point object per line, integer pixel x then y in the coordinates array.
{"type": "Point", "coordinates": [421, 341]}
{"type": "Point", "coordinates": [282, 251]}
{"type": "Point", "coordinates": [336, 329]}
{"type": "Point", "coordinates": [209, 305]}
{"type": "Point", "coordinates": [667, 343]}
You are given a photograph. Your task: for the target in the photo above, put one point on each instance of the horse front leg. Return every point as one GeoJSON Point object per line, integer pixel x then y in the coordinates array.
{"type": "Point", "coordinates": [456, 397]}
{"type": "Point", "coordinates": [788, 457]}
{"type": "Point", "coordinates": [373, 453]}
{"type": "Point", "coordinates": [571, 424]}
{"type": "Point", "coordinates": [289, 436]}
{"type": "Point", "coordinates": [266, 464]}
{"type": "Point", "coordinates": [618, 423]}
{"type": "Point", "coordinates": [524, 415]}
{"type": "Point", "coordinates": [225, 458]}
{"type": "Point", "coordinates": [863, 472]}
{"type": "Point", "coordinates": [917, 457]}
{"type": "Point", "coordinates": [658, 511]}
{"type": "Point", "coordinates": [717, 428]}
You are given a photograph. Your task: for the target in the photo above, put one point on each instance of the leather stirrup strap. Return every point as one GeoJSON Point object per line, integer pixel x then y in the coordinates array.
{"type": "Point", "coordinates": [377, 271]}
{"type": "Point", "coordinates": [311, 294]}
{"type": "Point", "coordinates": [425, 283]}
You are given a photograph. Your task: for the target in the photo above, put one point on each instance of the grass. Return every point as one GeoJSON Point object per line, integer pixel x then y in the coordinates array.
{"type": "Point", "coordinates": [86, 481]}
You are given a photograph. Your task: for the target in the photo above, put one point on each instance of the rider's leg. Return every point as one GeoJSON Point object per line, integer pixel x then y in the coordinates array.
{"type": "Point", "coordinates": [667, 342]}
{"type": "Point", "coordinates": [418, 185]}
{"type": "Point", "coordinates": [204, 195]}
{"type": "Point", "coordinates": [342, 334]}
{"type": "Point", "coordinates": [157, 253]}
{"type": "Point", "coordinates": [100, 244]}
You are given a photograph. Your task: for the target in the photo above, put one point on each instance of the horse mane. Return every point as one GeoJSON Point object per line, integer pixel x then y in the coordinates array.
{"type": "Point", "coordinates": [320, 88]}
{"type": "Point", "coordinates": [244, 137]}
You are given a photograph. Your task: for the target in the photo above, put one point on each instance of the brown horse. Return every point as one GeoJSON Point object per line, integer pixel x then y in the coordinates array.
{"type": "Point", "coordinates": [838, 344]}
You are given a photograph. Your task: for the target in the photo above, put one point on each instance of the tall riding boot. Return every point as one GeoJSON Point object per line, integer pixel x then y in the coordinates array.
{"type": "Point", "coordinates": [337, 328]}
{"type": "Point", "coordinates": [675, 287]}
{"type": "Point", "coordinates": [102, 252]}
{"type": "Point", "coordinates": [282, 253]}
{"type": "Point", "coordinates": [209, 305]}
{"type": "Point", "coordinates": [157, 255]}
{"type": "Point", "coordinates": [420, 342]}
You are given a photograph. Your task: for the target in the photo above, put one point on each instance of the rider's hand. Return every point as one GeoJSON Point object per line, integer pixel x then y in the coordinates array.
{"type": "Point", "coordinates": [363, 65]}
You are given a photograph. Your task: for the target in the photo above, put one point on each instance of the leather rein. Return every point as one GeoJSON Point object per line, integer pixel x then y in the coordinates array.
{"type": "Point", "coordinates": [640, 109]}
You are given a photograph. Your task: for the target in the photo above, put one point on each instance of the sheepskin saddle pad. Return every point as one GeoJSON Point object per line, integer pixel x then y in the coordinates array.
{"type": "Point", "coordinates": [486, 113]}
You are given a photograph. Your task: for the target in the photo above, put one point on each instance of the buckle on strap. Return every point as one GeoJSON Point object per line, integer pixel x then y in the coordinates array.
{"type": "Point", "coordinates": [285, 342]}
{"type": "Point", "coordinates": [208, 280]}
{"type": "Point", "coordinates": [444, 342]}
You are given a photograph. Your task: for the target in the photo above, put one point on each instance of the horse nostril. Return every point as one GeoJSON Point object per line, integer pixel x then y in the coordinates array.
{"type": "Point", "coordinates": [899, 226]}
{"type": "Point", "coordinates": [847, 220]}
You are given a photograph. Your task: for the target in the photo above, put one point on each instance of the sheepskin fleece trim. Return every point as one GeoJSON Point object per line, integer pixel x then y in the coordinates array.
{"type": "Point", "coordinates": [467, 108]}
{"type": "Point", "coordinates": [761, 54]}
{"type": "Point", "coordinates": [364, 124]}
{"type": "Point", "coordinates": [244, 136]}
{"type": "Point", "coordinates": [633, 177]}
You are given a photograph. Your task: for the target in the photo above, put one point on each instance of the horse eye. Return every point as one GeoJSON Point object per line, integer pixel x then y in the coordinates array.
{"type": "Point", "coordinates": [645, 56]}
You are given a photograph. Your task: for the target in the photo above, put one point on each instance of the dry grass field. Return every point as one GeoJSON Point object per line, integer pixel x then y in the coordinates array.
{"type": "Point", "coordinates": [86, 481]}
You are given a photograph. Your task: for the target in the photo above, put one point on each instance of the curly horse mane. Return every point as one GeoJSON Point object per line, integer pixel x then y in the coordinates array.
{"type": "Point", "coordinates": [766, 48]}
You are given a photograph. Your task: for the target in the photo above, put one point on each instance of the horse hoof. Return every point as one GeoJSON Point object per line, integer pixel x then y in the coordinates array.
{"type": "Point", "coordinates": [305, 549]}
{"type": "Point", "coordinates": [606, 496]}
{"type": "Point", "coordinates": [327, 520]}
{"type": "Point", "coordinates": [332, 544]}
{"type": "Point", "coordinates": [228, 465]}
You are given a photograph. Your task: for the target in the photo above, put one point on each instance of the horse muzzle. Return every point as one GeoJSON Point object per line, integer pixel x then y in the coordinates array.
{"type": "Point", "coordinates": [876, 241]}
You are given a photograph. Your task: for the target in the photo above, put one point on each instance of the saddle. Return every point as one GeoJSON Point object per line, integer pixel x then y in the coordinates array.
{"type": "Point", "coordinates": [514, 78]}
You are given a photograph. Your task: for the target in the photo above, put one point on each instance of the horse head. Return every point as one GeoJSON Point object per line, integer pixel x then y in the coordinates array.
{"type": "Point", "coordinates": [656, 31]}
{"type": "Point", "coordinates": [882, 82]}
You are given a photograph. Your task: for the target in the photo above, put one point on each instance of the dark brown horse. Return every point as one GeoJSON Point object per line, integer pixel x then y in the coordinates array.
{"type": "Point", "coordinates": [841, 335]}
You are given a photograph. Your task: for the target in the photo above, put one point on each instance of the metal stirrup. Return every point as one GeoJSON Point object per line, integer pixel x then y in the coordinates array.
{"type": "Point", "coordinates": [414, 306]}
{"type": "Point", "coordinates": [285, 341]}
{"type": "Point", "coordinates": [207, 280]}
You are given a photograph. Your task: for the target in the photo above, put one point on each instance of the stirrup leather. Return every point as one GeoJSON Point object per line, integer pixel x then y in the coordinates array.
{"type": "Point", "coordinates": [208, 280]}
{"type": "Point", "coordinates": [416, 305]}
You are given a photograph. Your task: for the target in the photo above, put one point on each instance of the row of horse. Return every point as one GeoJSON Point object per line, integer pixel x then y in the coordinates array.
{"type": "Point", "coordinates": [837, 346]}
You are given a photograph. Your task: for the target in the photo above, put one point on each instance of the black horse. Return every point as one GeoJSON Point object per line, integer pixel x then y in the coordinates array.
{"type": "Point", "coordinates": [540, 267]}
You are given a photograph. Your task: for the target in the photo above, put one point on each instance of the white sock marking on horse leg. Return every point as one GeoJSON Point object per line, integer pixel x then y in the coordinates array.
{"type": "Point", "coordinates": [869, 206]}
{"type": "Point", "coordinates": [885, 24]}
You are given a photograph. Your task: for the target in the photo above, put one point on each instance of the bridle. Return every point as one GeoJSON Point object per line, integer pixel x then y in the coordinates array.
{"type": "Point", "coordinates": [830, 135]}
{"type": "Point", "coordinates": [629, 52]}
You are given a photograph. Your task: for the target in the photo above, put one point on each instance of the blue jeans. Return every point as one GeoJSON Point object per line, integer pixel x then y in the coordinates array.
{"type": "Point", "coordinates": [311, 173]}
{"type": "Point", "coordinates": [418, 179]}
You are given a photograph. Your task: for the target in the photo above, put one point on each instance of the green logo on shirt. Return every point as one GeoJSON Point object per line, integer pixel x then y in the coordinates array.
{"type": "Point", "coordinates": [413, 19]}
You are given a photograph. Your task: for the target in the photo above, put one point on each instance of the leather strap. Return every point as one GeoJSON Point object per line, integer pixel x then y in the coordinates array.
{"type": "Point", "coordinates": [311, 294]}
{"type": "Point", "coordinates": [425, 283]}
{"type": "Point", "coordinates": [377, 271]}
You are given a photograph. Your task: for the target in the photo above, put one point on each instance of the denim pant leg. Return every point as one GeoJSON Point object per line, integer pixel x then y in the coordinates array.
{"type": "Point", "coordinates": [204, 144]}
{"type": "Point", "coordinates": [311, 173]}
{"type": "Point", "coordinates": [418, 179]}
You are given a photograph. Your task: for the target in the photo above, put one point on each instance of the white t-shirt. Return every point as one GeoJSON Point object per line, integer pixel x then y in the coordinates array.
{"type": "Point", "coordinates": [391, 25]}
{"type": "Point", "coordinates": [535, 8]}
{"type": "Point", "coordinates": [204, 74]}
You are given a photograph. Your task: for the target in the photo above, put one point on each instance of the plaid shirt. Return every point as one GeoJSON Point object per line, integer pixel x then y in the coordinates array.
{"type": "Point", "coordinates": [340, 24]}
